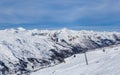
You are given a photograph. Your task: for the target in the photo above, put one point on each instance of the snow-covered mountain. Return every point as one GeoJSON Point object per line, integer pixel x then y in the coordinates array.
{"type": "Point", "coordinates": [23, 51]}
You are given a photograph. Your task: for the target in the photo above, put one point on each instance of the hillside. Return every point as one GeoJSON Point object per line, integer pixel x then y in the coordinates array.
{"type": "Point", "coordinates": [100, 63]}
{"type": "Point", "coordinates": [24, 51]}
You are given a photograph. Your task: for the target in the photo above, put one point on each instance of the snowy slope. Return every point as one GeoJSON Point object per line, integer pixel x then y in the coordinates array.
{"type": "Point", "coordinates": [100, 63]}
{"type": "Point", "coordinates": [23, 51]}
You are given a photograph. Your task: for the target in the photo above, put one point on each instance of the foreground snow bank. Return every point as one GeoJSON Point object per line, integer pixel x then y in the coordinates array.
{"type": "Point", "coordinates": [100, 63]}
{"type": "Point", "coordinates": [23, 51]}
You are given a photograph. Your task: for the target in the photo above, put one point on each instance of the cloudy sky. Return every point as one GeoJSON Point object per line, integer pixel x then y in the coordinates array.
{"type": "Point", "coordinates": [59, 13]}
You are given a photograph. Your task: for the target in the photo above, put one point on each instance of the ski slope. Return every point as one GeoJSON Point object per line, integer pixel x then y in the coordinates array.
{"type": "Point", "coordinates": [100, 63]}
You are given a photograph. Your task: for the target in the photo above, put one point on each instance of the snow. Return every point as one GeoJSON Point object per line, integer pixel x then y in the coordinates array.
{"type": "Point", "coordinates": [42, 48]}
{"type": "Point", "coordinates": [100, 63]}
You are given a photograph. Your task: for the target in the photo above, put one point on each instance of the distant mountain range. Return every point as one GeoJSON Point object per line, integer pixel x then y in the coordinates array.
{"type": "Point", "coordinates": [59, 26]}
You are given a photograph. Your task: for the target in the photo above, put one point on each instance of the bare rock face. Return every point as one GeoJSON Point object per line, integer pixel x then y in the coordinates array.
{"type": "Point", "coordinates": [23, 51]}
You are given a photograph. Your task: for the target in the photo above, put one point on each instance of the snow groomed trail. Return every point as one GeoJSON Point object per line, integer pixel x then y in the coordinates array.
{"type": "Point", "coordinates": [100, 63]}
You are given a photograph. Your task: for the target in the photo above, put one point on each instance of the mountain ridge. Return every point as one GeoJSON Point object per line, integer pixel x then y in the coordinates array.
{"type": "Point", "coordinates": [23, 51]}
